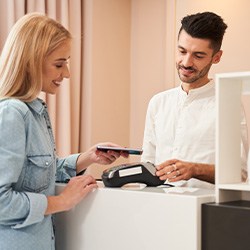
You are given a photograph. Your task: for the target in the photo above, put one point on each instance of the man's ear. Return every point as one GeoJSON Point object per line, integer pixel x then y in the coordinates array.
{"type": "Point", "coordinates": [217, 56]}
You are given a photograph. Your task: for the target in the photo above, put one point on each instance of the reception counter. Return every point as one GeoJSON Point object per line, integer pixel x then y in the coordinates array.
{"type": "Point", "coordinates": [134, 218]}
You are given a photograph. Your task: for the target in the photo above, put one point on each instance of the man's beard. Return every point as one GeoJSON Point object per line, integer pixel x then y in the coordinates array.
{"type": "Point", "coordinates": [198, 74]}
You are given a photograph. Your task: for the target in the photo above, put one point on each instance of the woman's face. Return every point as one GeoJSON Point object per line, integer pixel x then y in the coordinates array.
{"type": "Point", "coordinates": [55, 68]}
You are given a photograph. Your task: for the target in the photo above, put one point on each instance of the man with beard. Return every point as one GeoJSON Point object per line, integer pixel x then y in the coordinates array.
{"type": "Point", "coordinates": [179, 134]}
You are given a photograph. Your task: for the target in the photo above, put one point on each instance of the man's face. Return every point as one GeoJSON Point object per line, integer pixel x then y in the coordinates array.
{"type": "Point", "coordinates": [194, 59]}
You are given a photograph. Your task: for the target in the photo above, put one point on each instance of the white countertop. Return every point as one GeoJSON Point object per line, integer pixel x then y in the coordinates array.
{"type": "Point", "coordinates": [134, 219]}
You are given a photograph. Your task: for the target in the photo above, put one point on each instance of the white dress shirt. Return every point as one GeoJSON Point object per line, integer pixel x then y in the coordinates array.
{"type": "Point", "coordinates": [182, 126]}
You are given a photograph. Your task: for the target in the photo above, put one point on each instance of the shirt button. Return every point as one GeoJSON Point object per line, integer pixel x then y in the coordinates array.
{"type": "Point", "coordinates": [46, 163]}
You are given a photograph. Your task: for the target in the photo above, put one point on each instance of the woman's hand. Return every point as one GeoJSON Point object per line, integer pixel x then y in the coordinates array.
{"type": "Point", "coordinates": [73, 193]}
{"type": "Point", "coordinates": [93, 155]}
{"type": "Point", "coordinates": [76, 190]}
{"type": "Point", "coordinates": [108, 157]}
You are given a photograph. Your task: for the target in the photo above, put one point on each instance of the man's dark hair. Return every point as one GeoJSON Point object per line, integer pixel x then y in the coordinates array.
{"type": "Point", "coordinates": [206, 25]}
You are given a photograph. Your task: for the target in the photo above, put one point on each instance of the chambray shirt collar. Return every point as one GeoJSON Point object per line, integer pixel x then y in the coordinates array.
{"type": "Point", "coordinates": [38, 105]}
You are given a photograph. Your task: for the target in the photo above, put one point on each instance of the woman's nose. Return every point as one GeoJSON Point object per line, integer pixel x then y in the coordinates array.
{"type": "Point", "coordinates": [66, 72]}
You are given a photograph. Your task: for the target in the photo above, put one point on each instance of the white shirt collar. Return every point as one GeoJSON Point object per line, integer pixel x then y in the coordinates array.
{"type": "Point", "coordinates": [199, 90]}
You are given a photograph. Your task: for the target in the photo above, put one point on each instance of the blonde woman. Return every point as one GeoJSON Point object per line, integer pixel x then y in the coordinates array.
{"type": "Point", "coordinates": [34, 59]}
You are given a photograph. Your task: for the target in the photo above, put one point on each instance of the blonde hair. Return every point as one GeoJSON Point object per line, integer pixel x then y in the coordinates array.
{"type": "Point", "coordinates": [30, 41]}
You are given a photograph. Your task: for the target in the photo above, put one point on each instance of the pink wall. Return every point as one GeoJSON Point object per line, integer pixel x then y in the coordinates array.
{"type": "Point", "coordinates": [153, 44]}
{"type": "Point", "coordinates": [126, 72]}
{"type": "Point", "coordinates": [107, 25]}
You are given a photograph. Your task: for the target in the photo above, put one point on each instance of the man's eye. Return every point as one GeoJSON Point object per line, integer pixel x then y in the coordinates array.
{"type": "Point", "coordinates": [58, 65]}
{"type": "Point", "coordinates": [199, 57]}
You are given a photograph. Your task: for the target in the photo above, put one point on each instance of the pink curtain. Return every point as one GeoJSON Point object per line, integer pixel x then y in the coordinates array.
{"type": "Point", "coordinates": [64, 108]}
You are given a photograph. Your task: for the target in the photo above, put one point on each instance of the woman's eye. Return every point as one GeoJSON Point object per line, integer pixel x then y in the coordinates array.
{"type": "Point", "coordinates": [58, 65]}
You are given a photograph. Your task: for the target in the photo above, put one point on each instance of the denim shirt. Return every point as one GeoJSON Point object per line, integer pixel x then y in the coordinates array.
{"type": "Point", "coordinates": [29, 169]}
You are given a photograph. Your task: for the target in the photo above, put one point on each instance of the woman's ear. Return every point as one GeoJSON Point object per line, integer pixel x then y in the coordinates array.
{"type": "Point", "coordinates": [217, 56]}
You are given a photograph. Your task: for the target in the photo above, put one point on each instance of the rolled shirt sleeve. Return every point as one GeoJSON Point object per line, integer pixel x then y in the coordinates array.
{"type": "Point", "coordinates": [38, 204]}
{"type": "Point", "coordinates": [66, 167]}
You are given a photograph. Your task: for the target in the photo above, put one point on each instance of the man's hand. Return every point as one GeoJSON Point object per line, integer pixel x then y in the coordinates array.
{"type": "Point", "coordinates": [177, 170]}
